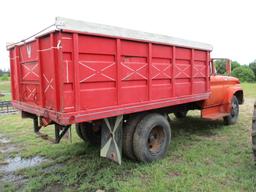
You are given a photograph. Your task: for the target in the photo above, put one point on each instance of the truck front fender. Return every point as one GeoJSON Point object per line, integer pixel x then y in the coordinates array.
{"type": "Point", "coordinates": [237, 91]}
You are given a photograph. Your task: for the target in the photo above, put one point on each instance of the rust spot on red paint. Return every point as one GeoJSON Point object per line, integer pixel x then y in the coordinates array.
{"type": "Point", "coordinates": [72, 119]}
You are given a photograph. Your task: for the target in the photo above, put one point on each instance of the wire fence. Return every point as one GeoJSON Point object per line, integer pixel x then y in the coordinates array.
{"type": "Point", "coordinates": [6, 107]}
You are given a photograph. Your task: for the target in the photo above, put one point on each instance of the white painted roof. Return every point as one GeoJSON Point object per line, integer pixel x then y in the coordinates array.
{"type": "Point", "coordinates": [81, 26]}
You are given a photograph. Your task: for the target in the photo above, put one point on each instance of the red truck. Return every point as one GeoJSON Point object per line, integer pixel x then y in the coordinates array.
{"type": "Point", "coordinates": [117, 86]}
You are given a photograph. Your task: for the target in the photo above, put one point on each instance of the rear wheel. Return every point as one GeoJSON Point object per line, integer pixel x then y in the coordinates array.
{"type": "Point", "coordinates": [151, 138]}
{"type": "Point", "coordinates": [254, 132]}
{"type": "Point", "coordinates": [180, 114]}
{"type": "Point", "coordinates": [232, 118]}
{"type": "Point", "coordinates": [128, 131]}
{"type": "Point", "coordinates": [90, 132]}
{"type": "Point", "coordinates": [78, 131]}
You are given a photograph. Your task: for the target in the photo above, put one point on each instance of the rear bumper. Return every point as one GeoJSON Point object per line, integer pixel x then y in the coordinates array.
{"type": "Point", "coordinates": [60, 118]}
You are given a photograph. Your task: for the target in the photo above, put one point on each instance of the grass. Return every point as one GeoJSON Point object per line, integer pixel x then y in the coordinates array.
{"type": "Point", "coordinates": [204, 156]}
{"type": "Point", "coordinates": [5, 89]}
{"type": "Point", "coordinates": [250, 89]}
{"type": "Point", "coordinates": [5, 86]}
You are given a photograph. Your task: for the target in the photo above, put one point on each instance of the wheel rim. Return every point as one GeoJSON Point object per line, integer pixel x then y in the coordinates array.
{"type": "Point", "coordinates": [234, 110]}
{"type": "Point", "coordinates": [155, 140]}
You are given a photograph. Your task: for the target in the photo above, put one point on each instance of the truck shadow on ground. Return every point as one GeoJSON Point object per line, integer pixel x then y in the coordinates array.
{"type": "Point", "coordinates": [194, 125]}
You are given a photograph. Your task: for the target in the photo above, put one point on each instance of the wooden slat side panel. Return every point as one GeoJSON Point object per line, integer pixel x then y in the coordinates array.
{"type": "Point", "coordinates": [129, 72]}
{"type": "Point", "coordinates": [67, 81]}
{"type": "Point", "coordinates": [161, 75]}
{"type": "Point", "coordinates": [29, 77]}
{"type": "Point", "coordinates": [134, 71]}
{"type": "Point", "coordinates": [200, 72]}
{"type": "Point", "coordinates": [182, 73]}
{"type": "Point", "coordinates": [97, 72]}
{"type": "Point", "coordinates": [48, 76]}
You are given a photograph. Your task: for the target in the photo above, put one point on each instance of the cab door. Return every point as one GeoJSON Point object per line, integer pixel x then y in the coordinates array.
{"type": "Point", "coordinates": [217, 91]}
{"type": "Point", "coordinates": [213, 107]}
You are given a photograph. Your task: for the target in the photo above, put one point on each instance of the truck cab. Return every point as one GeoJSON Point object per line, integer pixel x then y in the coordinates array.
{"type": "Point", "coordinates": [225, 97]}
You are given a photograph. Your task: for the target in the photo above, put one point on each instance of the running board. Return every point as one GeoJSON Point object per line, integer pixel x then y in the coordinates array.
{"type": "Point", "coordinates": [215, 116]}
{"type": "Point", "coordinates": [214, 113]}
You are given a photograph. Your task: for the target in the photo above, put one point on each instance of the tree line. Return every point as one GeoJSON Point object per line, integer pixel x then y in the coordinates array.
{"type": "Point", "coordinates": [245, 73]}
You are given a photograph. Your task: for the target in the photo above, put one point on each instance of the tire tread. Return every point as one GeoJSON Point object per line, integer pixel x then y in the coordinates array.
{"type": "Point", "coordinates": [139, 138]}
{"type": "Point", "coordinates": [128, 132]}
{"type": "Point", "coordinates": [229, 120]}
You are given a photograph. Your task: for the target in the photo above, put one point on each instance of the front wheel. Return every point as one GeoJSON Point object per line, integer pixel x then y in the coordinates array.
{"type": "Point", "coordinates": [232, 118]}
{"type": "Point", "coordinates": [151, 138]}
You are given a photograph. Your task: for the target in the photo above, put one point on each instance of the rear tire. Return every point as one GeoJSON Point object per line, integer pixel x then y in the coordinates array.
{"type": "Point", "coordinates": [151, 138]}
{"type": "Point", "coordinates": [232, 118]}
{"type": "Point", "coordinates": [78, 131]}
{"type": "Point", "coordinates": [254, 132]}
{"type": "Point", "coordinates": [90, 132]}
{"type": "Point", "coordinates": [128, 132]}
{"type": "Point", "coordinates": [180, 114]}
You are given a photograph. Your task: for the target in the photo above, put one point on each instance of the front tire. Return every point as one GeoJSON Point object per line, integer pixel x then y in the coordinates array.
{"type": "Point", "coordinates": [151, 138]}
{"type": "Point", "coordinates": [233, 116]}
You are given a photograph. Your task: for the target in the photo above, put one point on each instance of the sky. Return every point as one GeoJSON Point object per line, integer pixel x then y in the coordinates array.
{"type": "Point", "coordinates": [229, 26]}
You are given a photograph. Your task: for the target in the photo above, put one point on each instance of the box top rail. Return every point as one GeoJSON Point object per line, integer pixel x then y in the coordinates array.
{"type": "Point", "coordinates": [82, 26]}
{"type": "Point", "coordinates": [62, 23]}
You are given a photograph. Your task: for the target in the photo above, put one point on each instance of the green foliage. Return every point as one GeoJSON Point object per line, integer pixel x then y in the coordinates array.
{"type": "Point", "coordinates": [4, 77]}
{"type": "Point", "coordinates": [244, 73]}
{"type": "Point", "coordinates": [5, 88]}
{"type": "Point", "coordinates": [252, 66]}
{"type": "Point", "coordinates": [3, 71]}
{"type": "Point", "coordinates": [234, 65]}
{"type": "Point", "coordinates": [220, 66]}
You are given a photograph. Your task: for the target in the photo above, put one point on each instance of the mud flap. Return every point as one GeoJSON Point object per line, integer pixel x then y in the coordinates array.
{"type": "Point", "coordinates": [111, 138]}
